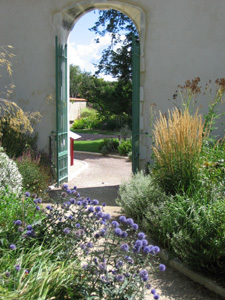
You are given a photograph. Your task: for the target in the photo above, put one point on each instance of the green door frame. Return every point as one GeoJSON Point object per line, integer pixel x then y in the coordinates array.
{"type": "Point", "coordinates": [61, 113]}
{"type": "Point", "coordinates": [135, 103]}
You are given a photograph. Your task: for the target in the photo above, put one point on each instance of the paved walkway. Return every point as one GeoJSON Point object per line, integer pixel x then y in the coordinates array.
{"type": "Point", "coordinates": [99, 177]}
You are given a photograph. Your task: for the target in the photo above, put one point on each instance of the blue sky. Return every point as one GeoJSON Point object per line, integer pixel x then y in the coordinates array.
{"type": "Point", "coordinates": [82, 49]}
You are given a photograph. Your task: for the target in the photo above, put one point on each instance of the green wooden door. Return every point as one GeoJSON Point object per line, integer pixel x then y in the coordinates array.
{"type": "Point", "coordinates": [61, 113]}
{"type": "Point", "coordinates": [135, 103]}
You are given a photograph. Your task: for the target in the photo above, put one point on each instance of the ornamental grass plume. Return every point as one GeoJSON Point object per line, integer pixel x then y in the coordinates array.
{"type": "Point", "coordinates": [178, 143]}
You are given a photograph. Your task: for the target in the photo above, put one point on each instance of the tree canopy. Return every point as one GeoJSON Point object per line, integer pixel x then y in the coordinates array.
{"type": "Point", "coordinates": [116, 59]}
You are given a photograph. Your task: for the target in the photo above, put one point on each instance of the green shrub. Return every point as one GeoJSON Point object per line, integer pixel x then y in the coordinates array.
{"type": "Point", "coordinates": [10, 174]}
{"type": "Point", "coordinates": [125, 147]}
{"type": "Point", "coordinates": [136, 195]}
{"type": "Point", "coordinates": [87, 120]}
{"type": "Point", "coordinates": [36, 176]}
{"type": "Point", "coordinates": [109, 146]}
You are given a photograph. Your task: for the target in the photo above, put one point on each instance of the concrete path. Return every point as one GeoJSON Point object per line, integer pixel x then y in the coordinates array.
{"type": "Point", "coordinates": [99, 177]}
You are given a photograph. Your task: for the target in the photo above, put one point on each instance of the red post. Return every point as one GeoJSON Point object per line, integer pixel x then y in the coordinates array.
{"type": "Point", "coordinates": [71, 152]}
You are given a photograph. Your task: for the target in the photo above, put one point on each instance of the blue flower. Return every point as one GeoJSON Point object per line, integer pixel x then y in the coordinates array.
{"type": "Point", "coordinates": [90, 245]}
{"type": "Point", "coordinates": [29, 227]}
{"type": "Point", "coordinates": [120, 278]}
{"type": "Point", "coordinates": [39, 200]}
{"type": "Point", "coordinates": [102, 266]}
{"type": "Point", "coordinates": [95, 202]}
{"type": "Point", "coordinates": [153, 291]}
{"type": "Point", "coordinates": [37, 207]}
{"type": "Point", "coordinates": [70, 217]}
{"type": "Point", "coordinates": [66, 230]}
{"type": "Point", "coordinates": [30, 233]}
{"type": "Point", "coordinates": [103, 204]}
{"type": "Point", "coordinates": [122, 219]}
{"type": "Point", "coordinates": [115, 224]}
{"type": "Point", "coordinates": [35, 201]}
{"type": "Point", "coordinates": [135, 226]}
{"type": "Point", "coordinates": [69, 191]}
{"type": "Point", "coordinates": [91, 209]}
{"type": "Point", "coordinates": [27, 194]}
{"type": "Point", "coordinates": [156, 249]}
{"type": "Point", "coordinates": [74, 187]}
{"type": "Point", "coordinates": [65, 187]}
{"type": "Point", "coordinates": [18, 222]}
{"type": "Point", "coordinates": [124, 247]}
{"type": "Point", "coordinates": [156, 296]}
{"type": "Point", "coordinates": [12, 247]}
{"type": "Point", "coordinates": [144, 243]}
{"type": "Point", "coordinates": [130, 222]}
{"type": "Point", "coordinates": [141, 235]}
{"type": "Point", "coordinates": [49, 207]}
{"type": "Point", "coordinates": [148, 286]}
{"type": "Point", "coordinates": [78, 225]}
{"type": "Point", "coordinates": [147, 249]}
{"type": "Point", "coordinates": [18, 267]}
{"type": "Point", "coordinates": [97, 208]}
{"type": "Point", "coordinates": [118, 231]}
{"type": "Point", "coordinates": [72, 201]}
{"type": "Point", "coordinates": [7, 274]}
{"type": "Point", "coordinates": [124, 234]}
{"type": "Point", "coordinates": [79, 203]}
{"type": "Point", "coordinates": [162, 267]}
{"type": "Point", "coordinates": [144, 275]}
{"type": "Point", "coordinates": [107, 216]}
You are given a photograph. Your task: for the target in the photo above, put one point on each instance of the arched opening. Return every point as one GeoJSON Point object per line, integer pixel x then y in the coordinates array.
{"type": "Point", "coordinates": [64, 21]}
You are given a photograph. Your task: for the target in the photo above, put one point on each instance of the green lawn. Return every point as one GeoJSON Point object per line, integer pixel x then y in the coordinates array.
{"type": "Point", "coordinates": [92, 131]}
{"type": "Point", "coordinates": [88, 146]}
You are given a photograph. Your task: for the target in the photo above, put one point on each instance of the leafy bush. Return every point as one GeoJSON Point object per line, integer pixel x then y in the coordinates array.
{"type": "Point", "coordinates": [109, 146]}
{"type": "Point", "coordinates": [87, 120]}
{"type": "Point", "coordinates": [75, 251]}
{"type": "Point", "coordinates": [10, 174]}
{"type": "Point", "coordinates": [136, 195]}
{"type": "Point", "coordinates": [178, 142]}
{"type": "Point", "coordinates": [36, 176]}
{"type": "Point", "coordinates": [125, 147]}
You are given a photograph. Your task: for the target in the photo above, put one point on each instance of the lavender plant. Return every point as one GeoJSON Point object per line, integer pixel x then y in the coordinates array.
{"type": "Point", "coordinates": [115, 258]}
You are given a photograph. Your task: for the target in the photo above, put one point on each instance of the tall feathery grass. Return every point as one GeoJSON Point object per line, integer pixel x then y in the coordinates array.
{"type": "Point", "coordinates": [178, 142]}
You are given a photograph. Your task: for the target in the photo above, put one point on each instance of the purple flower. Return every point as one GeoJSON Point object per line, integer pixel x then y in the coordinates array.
{"type": "Point", "coordinates": [102, 232]}
{"type": "Point", "coordinates": [153, 291]}
{"type": "Point", "coordinates": [156, 249]}
{"type": "Point", "coordinates": [130, 222]}
{"type": "Point", "coordinates": [35, 201]}
{"type": "Point", "coordinates": [124, 234]}
{"type": "Point", "coordinates": [72, 201]}
{"type": "Point", "coordinates": [29, 227]}
{"type": "Point", "coordinates": [30, 233]}
{"type": "Point", "coordinates": [144, 275]}
{"type": "Point", "coordinates": [95, 202]}
{"type": "Point", "coordinates": [63, 194]}
{"type": "Point", "coordinates": [18, 267]}
{"type": "Point", "coordinates": [7, 274]}
{"type": "Point", "coordinates": [79, 203]}
{"type": "Point", "coordinates": [83, 247]}
{"type": "Point", "coordinates": [124, 247]}
{"type": "Point", "coordinates": [147, 250]}
{"type": "Point", "coordinates": [49, 207]}
{"type": "Point", "coordinates": [90, 245]}
{"type": "Point", "coordinates": [12, 247]}
{"type": "Point", "coordinates": [115, 224]}
{"type": "Point", "coordinates": [148, 286]}
{"type": "Point", "coordinates": [107, 216]}
{"type": "Point", "coordinates": [156, 296]}
{"type": "Point", "coordinates": [103, 204]}
{"type": "Point", "coordinates": [118, 231]}
{"type": "Point", "coordinates": [34, 195]}
{"type": "Point", "coordinates": [27, 194]}
{"type": "Point", "coordinates": [18, 222]}
{"type": "Point", "coordinates": [102, 266]}
{"type": "Point", "coordinates": [91, 209]}
{"type": "Point", "coordinates": [74, 187]}
{"type": "Point", "coordinates": [66, 230]}
{"type": "Point", "coordinates": [135, 226]}
{"type": "Point", "coordinates": [120, 278]}
{"type": "Point", "coordinates": [162, 267]}
{"type": "Point", "coordinates": [37, 207]}
{"type": "Point", "coordinates": [70, 217]}
{"type": "Point", "coordinates": [122, 219]}
{"type": "Point", "coordinates": [97, 208]}
{"type": "Point", "coordinates": [39, 200]}
{"type": "Point", "coordinates": [144, 243]}
{"type": "Point", "coordinates": [141, 235]}
{"type": "Point", "coordinates": [69, 191]}
{"type": "Point", "coordinates": [65, 187]}
{"type": "Point", "coordinates": [78, 225]}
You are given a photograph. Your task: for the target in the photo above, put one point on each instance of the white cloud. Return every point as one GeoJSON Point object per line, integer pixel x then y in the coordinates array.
{"type": "Point", "coordinates": [85, 55]}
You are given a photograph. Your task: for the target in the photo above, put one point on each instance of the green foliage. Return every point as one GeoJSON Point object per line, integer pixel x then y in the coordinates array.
{"type": "Point", "coordinates": [10, 174]}
{"type": "Point", "coordinates": [138, 194]}
{"type": "Point", "coordinates": [116, 62]}
{"type": "Point", "coordinates": [36, 175]}
{"type": "Point", "coordinates": [109, 146]}
{"type": "Point", "coordinates": [125, 147]}
{"type": "Point", "coordinates": [73, 251]}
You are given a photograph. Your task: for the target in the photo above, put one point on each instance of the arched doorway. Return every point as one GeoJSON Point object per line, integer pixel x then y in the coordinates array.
{"type": "Point", "coordinates": [64, 22]}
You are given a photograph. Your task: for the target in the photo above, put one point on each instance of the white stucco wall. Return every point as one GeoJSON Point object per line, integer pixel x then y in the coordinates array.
{"type": "Point", "coordinates": [179, 39]}
{"type": "Point", "coordinates": [75, 109]}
